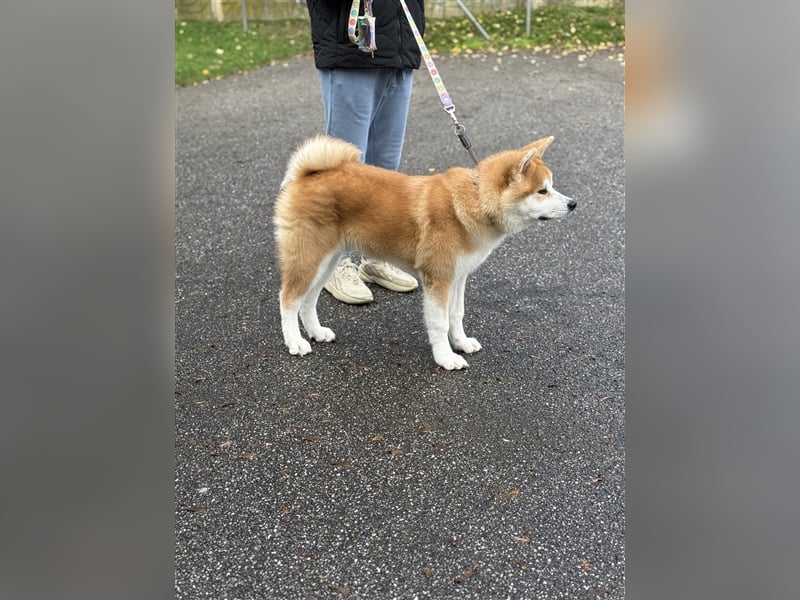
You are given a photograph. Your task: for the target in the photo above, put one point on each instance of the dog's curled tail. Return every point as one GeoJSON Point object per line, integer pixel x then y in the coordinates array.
{"type": "Point", "coordinates": [319, 153]}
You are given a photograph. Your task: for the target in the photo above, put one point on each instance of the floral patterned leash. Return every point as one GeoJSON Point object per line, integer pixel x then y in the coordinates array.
{"type": "Point", "coordinates": [361, 31]}
{"type": "Point", "coordinates": [444, 97]}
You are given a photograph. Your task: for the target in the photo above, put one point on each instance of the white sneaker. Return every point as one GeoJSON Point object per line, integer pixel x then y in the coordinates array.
{"type": "Point", "coordinates": [346, 286]}
{"type": "Point", "coordinates": [387, 275]}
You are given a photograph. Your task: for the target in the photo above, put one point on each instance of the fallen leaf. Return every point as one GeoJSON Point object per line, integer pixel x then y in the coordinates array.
{"type": "Point", "coordinates": [195, 509]}
{"type": "Point", "coordinates": [464, 576]}
{"type": "Point", "coordinates": [427, 572]}
{"type": "Point", "coordinates": [376, 438]}
{"type": "Point", "coordinates": [339, 588]}
{"type": "Point", "coordinates": [586, 566]}
{"type": "Point", "coordinates": [444, 444]}
{"type": "Point", "coordinates": [520, 564]}
{"type": "Point", "coordinates": [522, 540]}
{"type": "Point", "coordinates": [512, 494]}
{"type": "Point", "coordinates": [395, 451]}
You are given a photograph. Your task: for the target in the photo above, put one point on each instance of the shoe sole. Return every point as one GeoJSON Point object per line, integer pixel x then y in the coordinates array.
{"type": "Point", "coordinates": [341, 297]}
{"type": "Point", "coordinates": [389, 285]}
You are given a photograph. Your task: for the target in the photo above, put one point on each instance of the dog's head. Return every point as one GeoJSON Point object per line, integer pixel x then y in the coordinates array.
{"type": "Point", "coordinates": [523, 187]}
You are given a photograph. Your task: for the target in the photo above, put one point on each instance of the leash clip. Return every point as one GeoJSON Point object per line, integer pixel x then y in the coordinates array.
{"type": "Point", "coordinates": [461, 132]}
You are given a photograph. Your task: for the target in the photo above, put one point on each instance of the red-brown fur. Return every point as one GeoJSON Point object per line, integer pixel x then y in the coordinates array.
{"type": "Point", "coordinates": [330, 202]}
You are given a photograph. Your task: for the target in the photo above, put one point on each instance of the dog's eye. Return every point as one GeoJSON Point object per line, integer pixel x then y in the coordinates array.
{"type": "Point", "coordinates": [542, 191]}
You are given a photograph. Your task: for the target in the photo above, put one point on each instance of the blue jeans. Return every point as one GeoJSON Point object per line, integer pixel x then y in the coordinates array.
{"type": "Point", "coordinates": [368, 108]}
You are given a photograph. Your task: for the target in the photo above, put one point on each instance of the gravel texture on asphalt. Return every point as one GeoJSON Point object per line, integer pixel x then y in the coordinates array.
{"type": "Point", "coordinates": [362, 470]}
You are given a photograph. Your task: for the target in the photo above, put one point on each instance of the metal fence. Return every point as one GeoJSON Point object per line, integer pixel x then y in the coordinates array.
{"type": "Point", "coordinates": [231, 10]}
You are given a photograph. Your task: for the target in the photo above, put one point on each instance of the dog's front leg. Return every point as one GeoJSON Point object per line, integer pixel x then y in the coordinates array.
{"type": "Point", "coordinates": [436, 301]}
{"type": "Point", "coordinates": [457, 335]}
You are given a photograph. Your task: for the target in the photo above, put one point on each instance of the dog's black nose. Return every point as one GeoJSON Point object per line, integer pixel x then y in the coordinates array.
{"type": "Point", "coordinates": [572, 204]}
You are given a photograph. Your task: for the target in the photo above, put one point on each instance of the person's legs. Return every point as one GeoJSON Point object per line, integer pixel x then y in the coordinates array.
{"type": "Point", "coordinates": [368, 108]}
{"type": "Point", "coordinates": [348, 100]}
{"type": "Point", "coordinates": [384, 149]}
{"type": "Point", "coordinates": [388, 127]}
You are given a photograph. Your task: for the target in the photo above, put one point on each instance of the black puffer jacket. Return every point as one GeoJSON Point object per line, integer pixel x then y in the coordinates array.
{"type": "Point", "coordinates": [397, 47]}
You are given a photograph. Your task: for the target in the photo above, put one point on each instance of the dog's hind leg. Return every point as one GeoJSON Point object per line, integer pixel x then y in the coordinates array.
{"type": "Point", "coordinates": [300, 273]}
{"type": "Point", "coordinates": [308, 309]}
{"type": "Point", "coordinates": [457, 336]}
{"type": "Point", "coordinates": [436, 300]}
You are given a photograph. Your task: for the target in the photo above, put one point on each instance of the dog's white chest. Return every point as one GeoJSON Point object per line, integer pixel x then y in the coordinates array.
{"type": "Point", "coordinates": [469, 262]}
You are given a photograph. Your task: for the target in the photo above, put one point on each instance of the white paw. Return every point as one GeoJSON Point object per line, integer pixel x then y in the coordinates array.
{"type": "Point", "coordinates": [323, 334]}
{"type": "Point", "coordinates": [300, 347]}
{"type": "Point", "coordinates": [467, 345]}
{"type": "Point", "coordinates": [451, 361]}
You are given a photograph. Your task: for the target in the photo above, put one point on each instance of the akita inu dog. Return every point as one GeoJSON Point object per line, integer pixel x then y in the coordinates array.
{"type": "Point", "coordinates": [440, 226]}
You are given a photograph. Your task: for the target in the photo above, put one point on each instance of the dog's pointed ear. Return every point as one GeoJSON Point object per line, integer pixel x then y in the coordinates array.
{"type": "Point", "coordinates": [541, 144]}
{"type": "Point", "coordinates": [533, 149]}
{"type": "Point", "coordinates": [526, 161]}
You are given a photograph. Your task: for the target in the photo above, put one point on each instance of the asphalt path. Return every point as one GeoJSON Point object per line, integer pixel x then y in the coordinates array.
{"type": "Point", "coordinates": [362, 470]}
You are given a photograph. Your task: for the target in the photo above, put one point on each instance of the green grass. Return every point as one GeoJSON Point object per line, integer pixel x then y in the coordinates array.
{"type": "Point", "coordinates": [553, 28]}
{"type": "Point", "coordinates": [206, 50]}
{"type": "Point", "coordinates": [210, 50]}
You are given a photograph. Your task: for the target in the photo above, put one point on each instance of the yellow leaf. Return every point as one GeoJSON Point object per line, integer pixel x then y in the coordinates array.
{"type": "Point", "coordinates": [522, 540]}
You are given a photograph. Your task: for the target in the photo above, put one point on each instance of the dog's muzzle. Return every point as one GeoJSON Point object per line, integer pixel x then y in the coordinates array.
{"type": "Point", "coordinates": [570, 207]}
